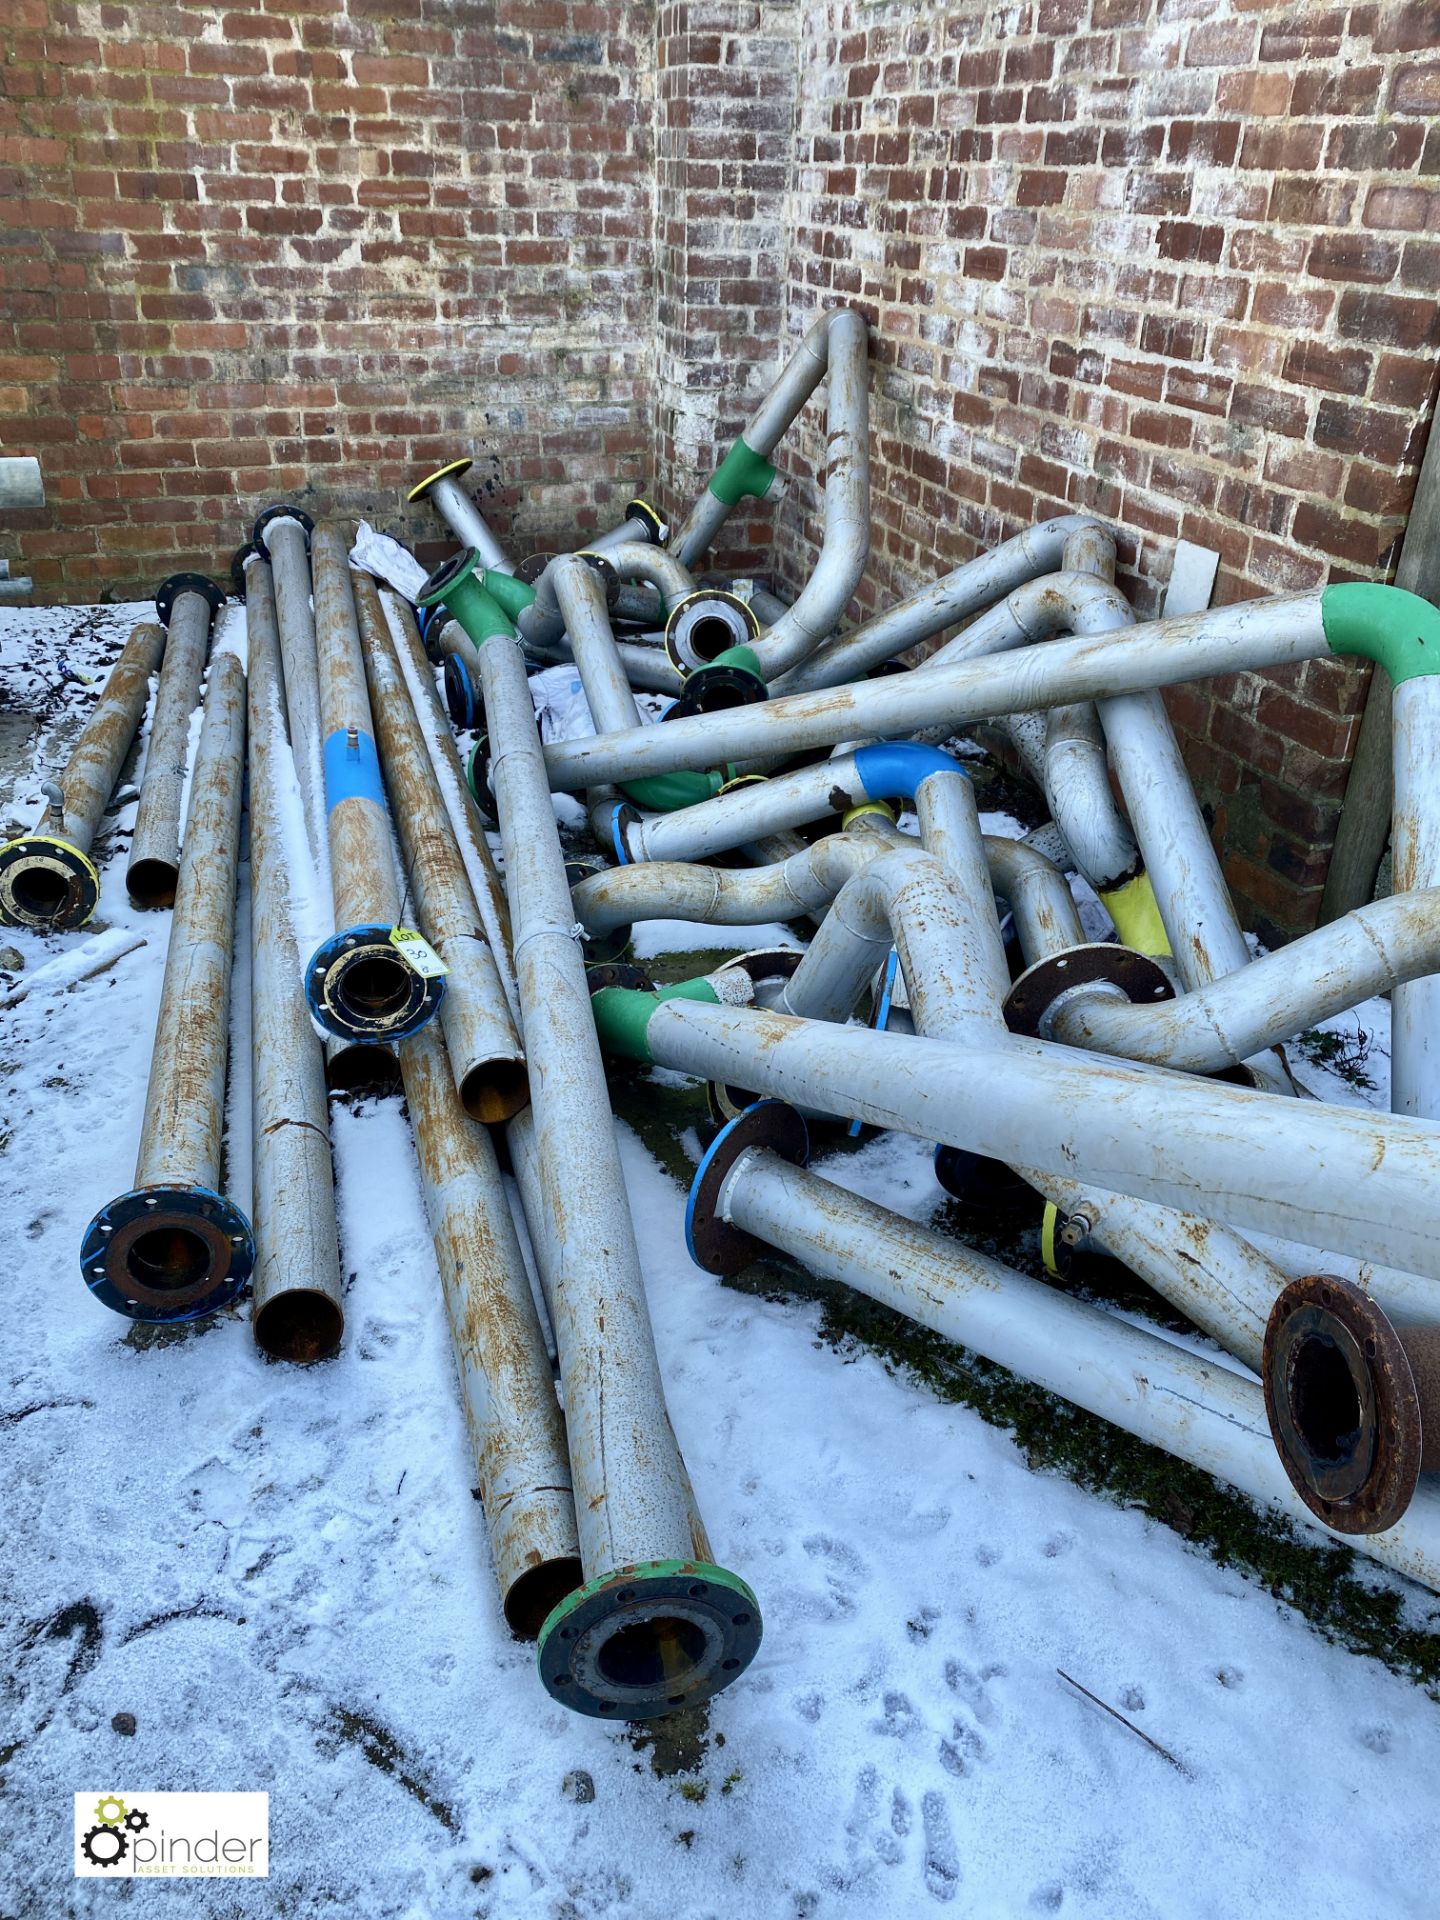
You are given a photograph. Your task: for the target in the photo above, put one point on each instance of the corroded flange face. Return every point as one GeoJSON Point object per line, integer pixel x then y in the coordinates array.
{"type": "Point", "coordinates": [646, 1639]}
{"type": "Point", "coordinates": [1139, 978]}
{"type": "Point", "coordinates": [169, 591]}
{"type": "Point", "coordinates": [167, 1253]}
{"type": "Point", "coordinates": [597, 563]}
{"type": "Point", "coordinates": [280, 512]}
{"type": "Point", "coordinates": [600, 948]}
{"type": "Point", "coordinates": [616, 973]}
{"type": "Point", "coordinates": [765, 966]}
{"type": "Point", "coordinates": [705, 623]}
{"type": "Point", "coordinates": [1342, 1403]}
{"type": "Point", "coordinates": [360, 987]}
{"type": "Point", "coordinates": [451, 472]}
{"type": "Point", "coordinates": [715, 690]}
{"type": "Point", "coordinates": [714, 1243]}
{"type": "Point", "coordinates": [46, 884]}
{"type": "Point", "coordinates": [657, 532]}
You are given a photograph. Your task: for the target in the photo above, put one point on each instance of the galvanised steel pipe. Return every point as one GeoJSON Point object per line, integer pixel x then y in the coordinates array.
{"type": "Point", "coordinates": [746, 472]}
{"type": "Point", "coordinates": [282, 536]}
{"type": "Point", "coordinates": [1077, 787]}
{"type": "Point", "coordinates": [21, 485]}
{"type": "Point", "coordinates": [298, 1307]}
{"type": "Point", "coordinates": [1415, 847]}
{"type": "Point", "coordinates": [187, 602]}
{"type": "Point", "coordinates": [1375, 949]}
{"type": "Point", "coordinates": [747, 811]}
{"type": "Point", "coordinates": [459, 512]}
{"type": "Point", "coordinates": [845, 541]}
{"type": "Point", "coordinates": [481, 1042]}
{"type": "Point", "coordinates": [1365, 1184]}
{"type": "Point", "coordinates": [1253, 633]}
{"type": "Point", "coordinates": [966, 590]}
{"type": "Point", "coordinates": [516, 1432]}
{"type": "Point", "coordinates": [358, 984]}
{"type": "Point", "coordinates": [657, 1623]}
{"type": "Point", "coordinates": [174, 1247]}
{"type": "Point", "coordinates": [47, 880]}
{"type": "Point", "coordinates": [749, 1196]}
{"type": "Point", "coordinates": [641, 523]}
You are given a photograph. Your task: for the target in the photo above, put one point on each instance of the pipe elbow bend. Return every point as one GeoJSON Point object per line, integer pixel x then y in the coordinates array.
{"type": "Point", "coordinates": [898, 767]}
{"type": "Point", "coordinates": [1389, 625]}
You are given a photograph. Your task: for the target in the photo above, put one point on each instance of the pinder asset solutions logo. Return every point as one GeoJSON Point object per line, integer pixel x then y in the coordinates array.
{"type": "Point", "coordinates": [165, 1835]}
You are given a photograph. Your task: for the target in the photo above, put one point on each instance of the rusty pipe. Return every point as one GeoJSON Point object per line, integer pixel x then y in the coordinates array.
{"type": "Point", "coordinates": [282, 536]}
{"type": "Point", "coordinates": [358, 984]}
{"type": "Point", "coordinates": [174, 1247]}
{"type": "Point", "coordinates": [297, 1309]}
{"type": "Point", "coordinates": [752, 1192]}
{"type": "Point", "coordinates": [47, 879]}
{"type": "Point", "coordinates": [516, 1432]}
{"type": "Point", "coordinates": [187, 602]}
{"type": "Point", "coordinates": [480, 1038]}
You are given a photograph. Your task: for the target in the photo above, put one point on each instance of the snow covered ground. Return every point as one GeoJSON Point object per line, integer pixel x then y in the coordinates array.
{"type": "Point", "coordinates": [282, 1575]}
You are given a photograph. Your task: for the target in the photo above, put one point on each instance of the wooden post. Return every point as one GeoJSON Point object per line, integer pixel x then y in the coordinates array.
{"type": "Point", "coordinates": [1364, 830]}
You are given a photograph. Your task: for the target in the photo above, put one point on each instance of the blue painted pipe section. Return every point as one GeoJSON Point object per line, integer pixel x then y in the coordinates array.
{"type": "Point", "coordinates": [895, 769]}
{"type": "Point", "coordinates": [352, 769]}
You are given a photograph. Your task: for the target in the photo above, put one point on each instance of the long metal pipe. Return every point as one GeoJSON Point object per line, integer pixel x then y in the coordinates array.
{"type": "Point", "coordinates": [516, 1431]}
{"type": "Point", "coordinates": [282, 535]}
{"type": "Point", "coordinates": [460, 513]}
{"type": "Point", "coordinates": [1415, 845]}
{"type": "Point", "coordinates": [966, 590]}
{"type": "Point", "coordinates": [47, 880]}
{"type": "Point", "coordinates": [1191, 1407]}
{"type": "Point", "coordinates": [187, 603]}
{"type": "Point", "coordinates": [298, 1307]}
{"type": "Point", "coordinates": [1252, 633]}
{"type": "Point", "coordinates": [174, 1247]}
{"type": "Point", "coordinates": [641, 523]}
{"type": "Point", "coordinates": [357, 982]}
{"type": "Point", "coordinates": [656, 1623]}
{"type": "Point", "coordinates": [481, 1042]}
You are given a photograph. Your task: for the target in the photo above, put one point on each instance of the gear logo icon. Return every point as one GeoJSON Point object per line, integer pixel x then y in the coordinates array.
{"type": "Point", "coordinates": [105, 1846]}
{"type": "Point", "coordinates": [102, 1813]}
{"type": "Point", "coordinates": [136, 1821]}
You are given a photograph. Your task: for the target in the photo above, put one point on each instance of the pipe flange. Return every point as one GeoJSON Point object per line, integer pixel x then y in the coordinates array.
{"type": "Point", "coordinates": [975, 1180]}
{"type": "Point", "coordinates": [445, 576]}
{"type": "Point", "coordinates": [167, 1253]}
{"type": "Point", "coordinates": [743, 780]}
{"type": "Point", "coordinates": [46, 884]}
{"type": "Point", "coordinates": [360, 987]}
{"type": "Point", "coordinates": [451, 472]}
{"type": "Point", "coordinates": [599, 948]}
{"type": "Point", "coordinates": [1139, 978]}
{"type": "Point", "coordinates": [169, 591]}
{"type": "Point", "coordinates": [463, 699]}
{"type": "Point", "coordinates": [280, 512]}
{"type": "Point", "coordinates": [237, 566]}
{"type": "Point", "coordinates": [366, 1068]}
{"type": "Point", "coordinates": [623, 817]}
{"type": "Point", "coordinates": [1342, 1404]}
{"type": "Point", "coordinates": [766, 966]}
{"type": "Point", "coordinates": [597, 563]}
{"type": "Point", "coordinates": [429, 627]}
{"type": "Point", "coordinates": [714, 1243]}
{"type": "Point", "coordinates": [477, 779]}
{"type": "Point", "coordinates": [707, 622]}
{"type": "Point", "coordinates": [531, 568]}
{"type": "Point", "coordinates": [616, 973]}
{"type": "Point", "coordinates": [647, 1638]}
{"type": "Point", "coordinates": [887, 669]}
{"type": "Point", "coordinates": [716, 690]}
{"type": "Point", "coordinates": [657, 531]}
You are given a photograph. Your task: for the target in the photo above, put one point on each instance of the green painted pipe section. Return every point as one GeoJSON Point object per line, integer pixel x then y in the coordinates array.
{"type": "Point", "coordinates": [745, 658]}
{"type": "Point", "coordinates": [466, 599]}
{"type": "Point", "coordinates": [1397, 629]}
{"type": "Point", "coordinates": [669, 792]}
{"type": "Point", "coordinates": [622, 1014]}
{"type": "Point", "coordinates": [512, 596]}
{"type": "Point", "coordinates": [742, 474]}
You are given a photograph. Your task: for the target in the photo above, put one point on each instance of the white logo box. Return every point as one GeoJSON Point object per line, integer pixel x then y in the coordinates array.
{"type": "Point", "coordinates": [167, 1835]}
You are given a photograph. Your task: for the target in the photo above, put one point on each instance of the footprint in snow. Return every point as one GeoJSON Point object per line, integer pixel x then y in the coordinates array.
{"type": "Point", "coordinates": [941, 1870]}
{"type": "Point", "coordinates": [1378, 1739]}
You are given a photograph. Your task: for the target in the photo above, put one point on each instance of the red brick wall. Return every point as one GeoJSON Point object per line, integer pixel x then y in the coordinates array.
{"type": "Point", "coordinates": [1172, 260]}
{"type": "Point", "coordinates": [310, 248]}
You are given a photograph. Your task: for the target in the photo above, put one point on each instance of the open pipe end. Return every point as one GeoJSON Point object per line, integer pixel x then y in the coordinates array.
{"type": "Point", "coordinates": [360, 987]}
{"type": "Point", "coordinates": [167, 1253]}
{"type": "Point", "coordinates": [494, 1091]}
{"type": "Point", "coordinates": [714, 1243]}
{"type": "Point", "coordinates": [643, 1640]}
{"type": "Point", "coordinates": [535, 1595]}
{"type": "Point", "coordinates": [152, 883]}
{"type": "Point", "coordinates": [463, 700]}
{"type": "Point", "coordinates": [707, 623]}
{"type": "Point", "coordinates": [362, 1067]}
{"type": "Point", "coordinates": [1342, 1403]}
{"type": "Point", "coordinates": [451, 472]}
{"type": "Point", "coordinates": [46, 884]}
{"type": "Point", "coordinates": [302, 1324]}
